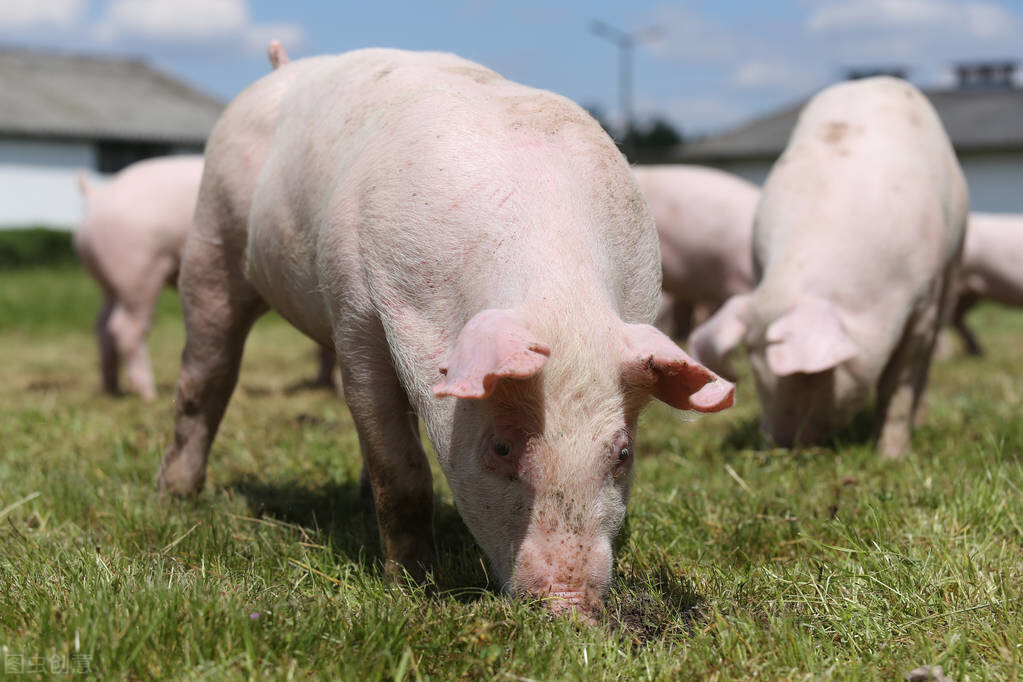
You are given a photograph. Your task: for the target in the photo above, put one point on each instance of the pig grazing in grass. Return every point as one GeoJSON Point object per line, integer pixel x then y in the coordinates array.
{"type": "Point", "coordinates": [131, 241]}
{"type": "Point", "coordinates": [705, 228]}
{"type": "Point", "coordinates": [480, 257]}
{"type": "Point", "coordinates": [856, 239]}
{"type": "Point", "coordinates": [992, 268]}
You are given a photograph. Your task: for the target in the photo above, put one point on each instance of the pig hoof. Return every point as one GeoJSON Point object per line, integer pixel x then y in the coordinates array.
{"type": "Point", "coordinates": [893, 448]}
{"type": "Point", "coordinates": [416, 571]}
{"type": "Point", "coordinates": [179, 481]}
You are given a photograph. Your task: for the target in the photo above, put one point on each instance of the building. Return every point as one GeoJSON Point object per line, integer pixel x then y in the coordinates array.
{"type": "Point", "coordinates": [60, 113]}
{"type": "Point", "coordinates": [983, 115]}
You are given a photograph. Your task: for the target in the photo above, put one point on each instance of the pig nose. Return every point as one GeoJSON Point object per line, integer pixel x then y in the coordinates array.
{"type": "Point", "coordinates": [559, 601]}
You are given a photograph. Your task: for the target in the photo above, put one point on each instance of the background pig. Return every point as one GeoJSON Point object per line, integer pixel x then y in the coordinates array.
{"type": "Point", "coordinates": [992, 268]}
{"type": "Point", "coordinates": [481, 258]}
{"type": "Point", "coordinates": [856, 238]}
{"type": "Point", "coordinates": [704, 225]}
{"type": "Point", "coordinates": [131, 241]}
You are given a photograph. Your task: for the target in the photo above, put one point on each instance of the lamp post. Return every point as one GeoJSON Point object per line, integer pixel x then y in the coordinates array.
{"type": "Point", "coordinates": [626, 43]}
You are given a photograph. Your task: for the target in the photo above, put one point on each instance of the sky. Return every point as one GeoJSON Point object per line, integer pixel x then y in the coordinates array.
{"type": "Point", "coordinates": [703, 66]}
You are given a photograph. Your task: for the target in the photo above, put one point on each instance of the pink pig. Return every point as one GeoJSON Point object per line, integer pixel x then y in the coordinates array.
{"type": "Point", "coordinates": [857, 236]}
{"type": "Point", "coordinates": [130, 241]}
{"type": "Point", "coordinates": [992, 268]}
{"type": "Point", "coordinates": [480, 257]}
{"type": "Point", "coordinates": [704, 222]}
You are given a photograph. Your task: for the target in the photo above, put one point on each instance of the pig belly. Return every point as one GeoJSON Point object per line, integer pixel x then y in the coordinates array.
{"type": "Point", "coordinates": [282, 268]}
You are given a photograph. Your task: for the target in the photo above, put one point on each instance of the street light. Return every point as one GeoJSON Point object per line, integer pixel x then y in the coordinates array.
{"type": "Point", "coordinates": [626, 43]}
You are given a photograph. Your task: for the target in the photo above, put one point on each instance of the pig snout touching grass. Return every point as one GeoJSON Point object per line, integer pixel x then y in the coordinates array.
{"type": "Point", "coordinates": [704, 220]}
{"type": "Point", "coordinates": [992, 268]}
{"type": "Point", "coordinates": [857, 236]}
{"type": "Point", "coordinates": [130, 241]}
{"type": "Point", "coordinates": [480, 257]}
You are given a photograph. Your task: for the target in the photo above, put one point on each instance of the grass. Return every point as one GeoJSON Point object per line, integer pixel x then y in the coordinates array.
{"type": "Point", "coordinates": [737, 560]}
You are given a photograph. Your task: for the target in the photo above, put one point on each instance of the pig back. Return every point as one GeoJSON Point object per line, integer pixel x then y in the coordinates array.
{"type": "Point", "coordinates": [866, 206]}
{"type": "Point", "coordinates": [432, 188]}
{"type": "Point", "coordinates": [704, 222]}
{"type": "Point", "coordinates": [992, 257]}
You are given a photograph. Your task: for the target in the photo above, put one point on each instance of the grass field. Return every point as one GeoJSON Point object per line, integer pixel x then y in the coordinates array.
{"type": "Point", "coordinates": [737, 560]}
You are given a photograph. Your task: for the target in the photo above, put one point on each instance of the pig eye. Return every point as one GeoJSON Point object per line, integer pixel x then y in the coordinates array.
{"type": "Point", "coordinates": [624, 454]}
{"type": "Point", "coordinates": [501, 449]}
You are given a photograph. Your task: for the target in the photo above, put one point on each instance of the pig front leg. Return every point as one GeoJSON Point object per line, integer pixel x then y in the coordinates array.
{"type": "Point", "coordinates": [901, 388]}
{"type": "Point", "coordinates": [219, 309]}
{"type": "Point", "coordinates": [965, 302]}
{"type": "Point", "coordinates": [108, 360]}
{"type": "Point", "coordinates": [395, 466]}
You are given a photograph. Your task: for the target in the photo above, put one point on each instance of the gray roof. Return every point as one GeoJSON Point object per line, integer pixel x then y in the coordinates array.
{"type": "Point", "coordinates": [46, 94]}
{"type": "Point", "coordinates": [976, 121]}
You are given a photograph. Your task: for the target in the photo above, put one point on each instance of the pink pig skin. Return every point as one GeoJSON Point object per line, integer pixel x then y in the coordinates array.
{"type": "Point", "coordinates": [855, 244]}
{"type": "Point", "coordinates": [480, 257]}
{"type": "Point", "coordinates": [131, 241]}
{"type": "Point", "coordinates": [704, 222]}
{"type": "Point", "coordinates": [992, 268]}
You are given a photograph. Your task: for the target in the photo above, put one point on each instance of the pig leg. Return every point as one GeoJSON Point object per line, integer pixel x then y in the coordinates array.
{"type": "Point", "coordinates": [395, 464]}
{"type": "Point", "coordinates": [131, 320]}
{"type": "Point", "coordinates": [108, 360]}
{"type": "Point", "coordinates": [128, 326]}
{"type": "Point", "coordinates": [901, 388]}
{"type": "Point", "coordinates": [682, 313]}
{"type": "Point", "coordinates": [963, 305]}
{"type": "Point", "coordinates": [219, 308]}
{"type": "Point", "coordinates": [325, 377]}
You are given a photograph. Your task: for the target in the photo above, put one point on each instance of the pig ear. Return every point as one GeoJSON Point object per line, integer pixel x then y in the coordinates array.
{"type": "Point", "coordinates": [493, 345]}
{"type": "Point", "coordinates": [808, 339]}
{"type": "Point", "coordinates": [674, 377]}
{"type": "Point", "coordinates": [715, 339]}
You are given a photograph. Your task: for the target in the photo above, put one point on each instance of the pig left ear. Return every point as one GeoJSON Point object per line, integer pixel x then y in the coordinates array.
{"type": "Point", "coordinates": [675, 378]}
{"type": "Point", "coordinates": [809, 339]}
{"type": "Point", "coordinates": [493, 345]}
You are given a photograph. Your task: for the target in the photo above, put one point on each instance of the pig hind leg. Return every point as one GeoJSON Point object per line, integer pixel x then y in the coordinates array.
{"type": "Point", "coordinates": [396, 469]}
{"type": "Point", "coordinates": [962, 306]}
{"type": "Point", "coordinates": [901, 388]}
{"type": "Point", "coordinates": [219, 308]}
{"type": "Point", "coordinates": [130, 321]}
{"type": "Point", "coordinates": [108, 361]}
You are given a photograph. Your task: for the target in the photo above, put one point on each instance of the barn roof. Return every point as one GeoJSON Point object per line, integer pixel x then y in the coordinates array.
{"type": "Point", "coordinates": [977, 120]}
{"type": "Point", "coordinates": [48, 94]}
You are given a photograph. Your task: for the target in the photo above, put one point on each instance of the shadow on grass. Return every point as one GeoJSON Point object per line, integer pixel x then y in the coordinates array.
{"type": "Point", "coordinates": [336, 513]}
{"type": "Point", "coordinates": [654, 607]}
{"type": "Point", "coordinates": [745, 434]}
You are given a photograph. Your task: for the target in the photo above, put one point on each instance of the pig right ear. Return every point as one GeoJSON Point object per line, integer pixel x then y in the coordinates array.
{"type": "Point", "coordinates": [715, 339]}
{"type": "Point", "coordinates": [808, 339]}
{"type": "Point", "coordinates": [493, 345]}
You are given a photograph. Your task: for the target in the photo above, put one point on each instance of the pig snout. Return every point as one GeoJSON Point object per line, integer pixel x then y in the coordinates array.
{"type": "Point", "coordinates": [564, 571]}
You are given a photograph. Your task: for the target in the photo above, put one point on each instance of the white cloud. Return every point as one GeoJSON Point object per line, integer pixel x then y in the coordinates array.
{"type": "Point", "coordinates": [760, 74]}
{"type": "Point", "coordinates": [686, 34]}
{"type": "Point", "coordinates": [977, 19]}
{"type": "Point", "coordinates": [35, 14]}
{"type": "Point", "coordinates": [190, 22]}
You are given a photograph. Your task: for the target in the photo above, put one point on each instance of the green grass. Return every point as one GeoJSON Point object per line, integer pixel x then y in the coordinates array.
{"type": "Point", "coordinates": [737, 561]}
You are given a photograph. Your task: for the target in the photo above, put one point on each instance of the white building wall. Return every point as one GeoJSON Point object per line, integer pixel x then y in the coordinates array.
{"type": "Point", "coordinates": [38, 184]}
{"type": "Point", "coordinates": [995, 180]}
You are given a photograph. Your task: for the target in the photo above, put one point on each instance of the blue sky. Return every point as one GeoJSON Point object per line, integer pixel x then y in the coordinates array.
{"type": "Point", "coordinates": [715, 62]}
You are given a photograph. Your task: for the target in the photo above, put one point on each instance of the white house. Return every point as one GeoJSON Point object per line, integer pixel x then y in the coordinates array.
{"type": "Point", "coordinates": [60, 113]}
{"type": "Point", "coordinates": [983, 115]}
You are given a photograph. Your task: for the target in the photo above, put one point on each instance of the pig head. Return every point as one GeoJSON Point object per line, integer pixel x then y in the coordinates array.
{"type": "Point", "coordinates": [543, 446]}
